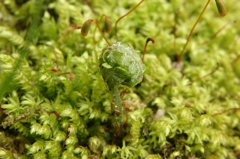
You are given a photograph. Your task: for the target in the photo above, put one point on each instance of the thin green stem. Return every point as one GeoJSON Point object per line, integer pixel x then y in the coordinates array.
{"type": "Point", "coordinates": [118, 102]}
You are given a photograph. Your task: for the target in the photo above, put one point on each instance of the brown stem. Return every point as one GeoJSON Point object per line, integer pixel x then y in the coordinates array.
{"type": "Point", "coordinates": [225, 111]}
{"type": "Point", "coordinates": [234, 44]}
{"type": "Point", "coordinates": [55, 69]}
{"type": "Point", "coordinates": [175, 30]}
{"type": "Point", "coordinates": [145, 47]}
{"type": "Point", "coordinates": [96, 26]}
{"type": "Point", "coordinates": [70, 74]}
{"type": "Point", "coordinates": [236, 59]}
{"type": "Point", "coordinates": [101, 31]}
{"type": "Point", "coordinates": [206, 74]}
{"type": "Point", "coordinates": [56, 113]}
{"type": "Point", "coordinates": [64, 142]}
{"type": "Point", "coordinates": [115, 27]}
{"type": "Point", "coordinates": [56, 58]}
{"type": "Point", "coordinates": [124, 92]}
{"type": "Point", "coordinates": [233, 21]}
{"type": "Point", "coordinates": [190, 34]}
{"type": "Point", "coordinates": [66, 33]}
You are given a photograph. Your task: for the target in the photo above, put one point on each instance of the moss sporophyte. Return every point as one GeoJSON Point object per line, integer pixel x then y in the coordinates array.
{"type": "Point", "coordinates": [180, 100]}
{"type": "Point", "coordinates": [120, 64]}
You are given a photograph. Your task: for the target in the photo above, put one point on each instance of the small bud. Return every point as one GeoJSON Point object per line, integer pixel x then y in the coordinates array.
{"type": "Point", "coordinates": [221, 7]}
{"type": "Point", "coordinates": [54, 69]}
{"type": "Point", "coordinates": [107, 25]}
{"type": "Point", "coordinates": [71, 76]}
{"type": "Point", "coordinates": [86, 26]}
{"type": "Point", "coordinates": [150, 39]}
{"type": "Point", "coordinates": [145, 47]}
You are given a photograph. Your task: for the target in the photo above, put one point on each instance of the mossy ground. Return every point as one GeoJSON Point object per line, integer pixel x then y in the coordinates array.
{"type": "Point", "coordinates": [47, 115]}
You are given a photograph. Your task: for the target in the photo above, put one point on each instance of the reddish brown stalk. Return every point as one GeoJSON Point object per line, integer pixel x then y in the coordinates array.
{"type": "Point", "coordinates": [225, 111]}
{"type": "Point", "coordinates": [55, 69]}
{"type": "Point", "coordinates": [234, 44]}
{"type": "Point", "coordinates": [91, 20]}
{"type": "Point", "coordinates": [236, 59]}
{"type": "Point", "coordinates": [66, 33]}
{"type": "Point", "coordinates": [115, 27]}
{"type": "Point", "coordinates": [70, 74]}
{"type": "Point", "coordinates": [96, 26]}
{"type": "Point", "coordinates": [74, 27]}
{"type": "Point", "coordinates": [67, 132]}
{"type": "Point", "coordinates": [56, 113]}
{"type": "Point", "coordinates": [206, 74]}
{"type": "Point", "coordinates": [175, 30]}
{"type": "Point", "coordinates": [101, 32]}
{"type": "Point", "coordinates": [190, 34]}
{"type": "Point", "coordinates": [124, 92]}
{"type": "Point", "coordinates": [145, 47]}
{"type": "Point", "coordinates": [233, 21]}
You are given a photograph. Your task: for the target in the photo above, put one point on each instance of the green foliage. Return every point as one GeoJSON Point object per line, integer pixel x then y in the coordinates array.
{"type": "Point", "coordinates": [54, 102]}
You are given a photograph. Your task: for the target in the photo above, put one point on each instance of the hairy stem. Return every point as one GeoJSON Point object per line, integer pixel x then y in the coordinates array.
{"type": "Point", "coordinates": [119, 105]}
